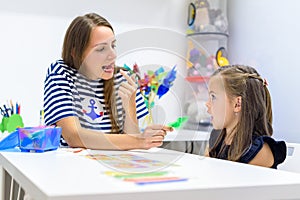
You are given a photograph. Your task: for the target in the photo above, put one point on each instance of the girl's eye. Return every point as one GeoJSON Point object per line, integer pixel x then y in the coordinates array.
{"type": "Point", "coordinates": [212, 97]}
{"type": "Point", "coordinates": [113, 46]}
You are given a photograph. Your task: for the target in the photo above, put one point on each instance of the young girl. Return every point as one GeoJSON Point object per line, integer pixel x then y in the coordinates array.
{"type": "Point", "coordinates": [240, 107]}
{"type": "Point", "coordinates": [95, 102]}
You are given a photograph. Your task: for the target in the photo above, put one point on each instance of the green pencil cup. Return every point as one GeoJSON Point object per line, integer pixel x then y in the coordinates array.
{"type": "Point", "coordinates": [11, 123]}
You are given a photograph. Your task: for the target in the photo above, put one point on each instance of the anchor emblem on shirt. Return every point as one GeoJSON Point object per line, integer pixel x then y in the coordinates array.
{"type": "Point", "coordinates": [92, 114]}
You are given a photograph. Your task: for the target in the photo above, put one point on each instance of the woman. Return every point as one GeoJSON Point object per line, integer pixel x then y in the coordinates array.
{"type": "Point", "coordinates": [88, 96]}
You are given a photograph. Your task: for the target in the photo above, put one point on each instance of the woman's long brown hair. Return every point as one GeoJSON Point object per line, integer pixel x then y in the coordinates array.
{"type": "Point", "coordinates": [75, 43]}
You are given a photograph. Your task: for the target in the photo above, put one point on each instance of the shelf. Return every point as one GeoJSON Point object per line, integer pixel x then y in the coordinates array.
{"type": "Point", "coordinates": [208, 33]}
{"type": "Point", "coordinates": [197, 78]}
{"type": "Point", "coordinates": [208, 36]}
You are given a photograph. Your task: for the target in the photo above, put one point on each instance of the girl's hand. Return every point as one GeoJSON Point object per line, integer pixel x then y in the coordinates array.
{"type": "Point", "coordinates": [154, 135]}
{"type": "Point", "coordinates": [127, 91]}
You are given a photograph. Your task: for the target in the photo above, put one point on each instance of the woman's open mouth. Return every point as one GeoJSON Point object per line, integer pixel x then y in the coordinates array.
{"type": "Point", "coordinates": [108, 68]}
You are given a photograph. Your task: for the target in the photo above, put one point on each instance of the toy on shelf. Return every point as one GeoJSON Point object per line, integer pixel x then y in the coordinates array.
{"type": "Point", "coordinates": [221, 57]}
{"type": "Point", "coordinates": [207, 16]}
{"type": "Point", "coordinates": [200, 67]}
{"type": "Point", "coordinates": [199, 62]}
{"type": "Point", "coordinates": [153, 85]}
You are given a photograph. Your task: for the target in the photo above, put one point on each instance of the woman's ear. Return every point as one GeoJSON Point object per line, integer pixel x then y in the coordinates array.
{"type": "Point", "coordinates": [237, 104]}
{"type": "Point", "coordinates": [72, 53]}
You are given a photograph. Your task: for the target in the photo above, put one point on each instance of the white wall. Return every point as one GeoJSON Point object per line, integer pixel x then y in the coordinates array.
{"type": "Point", "coordinates": [29, 42]}
{"type": "Point", "coordinates": [32, 33]}
{"type": "Point", "coordinates": [266, 34]}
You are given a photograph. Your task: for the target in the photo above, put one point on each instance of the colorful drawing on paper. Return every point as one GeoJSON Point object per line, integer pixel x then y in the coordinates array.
{"type": "Point", "coordinates": [127, 161]}
{"type": "Point", "coordinates": [140, 173]}
{"type": "Point", "coordinates": [147, 178]}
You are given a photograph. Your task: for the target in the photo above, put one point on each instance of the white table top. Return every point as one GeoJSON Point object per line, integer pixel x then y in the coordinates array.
{"type": "Point", "coordinates": [187, 135]}
{"type": "Point", "coordinates": [61, 175]}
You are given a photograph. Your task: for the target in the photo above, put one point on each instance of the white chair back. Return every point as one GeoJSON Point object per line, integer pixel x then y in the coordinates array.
{"type": "Point", "coordinates": [292, 161]}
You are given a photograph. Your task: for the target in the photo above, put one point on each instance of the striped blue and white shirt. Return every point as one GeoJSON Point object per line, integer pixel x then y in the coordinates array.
{"type": "Point", "coordinates": [69, 93]}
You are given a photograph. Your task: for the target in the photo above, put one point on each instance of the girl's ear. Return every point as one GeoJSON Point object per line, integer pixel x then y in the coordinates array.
{"type": "Point", "coordinates": [238, 104]}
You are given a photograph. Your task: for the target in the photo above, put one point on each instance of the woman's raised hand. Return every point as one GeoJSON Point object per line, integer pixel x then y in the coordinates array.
{"type": "Point", "coordinates": [127, 90]}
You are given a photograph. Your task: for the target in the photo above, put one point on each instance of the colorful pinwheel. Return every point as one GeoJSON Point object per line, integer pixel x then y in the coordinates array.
{"type": "Point", "coordinates": [153, 84]}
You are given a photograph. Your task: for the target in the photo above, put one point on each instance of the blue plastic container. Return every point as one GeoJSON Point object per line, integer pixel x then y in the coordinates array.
{"type": "Point", "coordinates": [39, 139]}
{"type": "Point", "coordinates": [10, 142]}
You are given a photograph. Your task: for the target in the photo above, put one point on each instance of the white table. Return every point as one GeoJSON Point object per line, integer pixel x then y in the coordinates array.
{"type": "Point", "coordinates": [61, 175]}
{"type": "Point", "coordinates": [189, 141]}
{"type": "Point", "coordinates": [187, 135]}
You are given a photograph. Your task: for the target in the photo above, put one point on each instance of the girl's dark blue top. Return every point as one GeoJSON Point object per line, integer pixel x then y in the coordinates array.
{"type": "Point", "coordinates": [278, 149]}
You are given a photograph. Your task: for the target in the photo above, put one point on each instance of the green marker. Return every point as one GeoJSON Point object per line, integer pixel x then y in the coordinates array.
{"type": "Point", "coordinates": [179, 122]}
